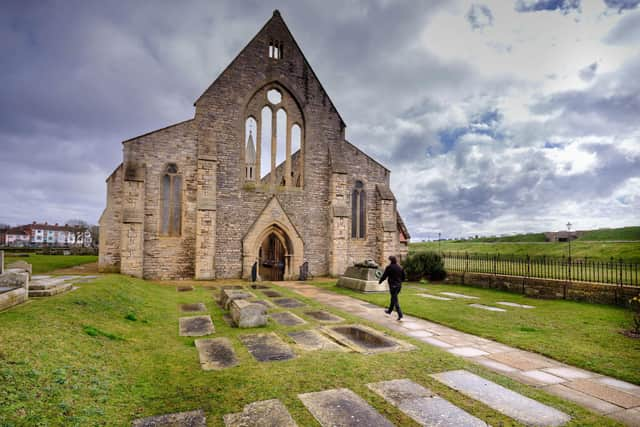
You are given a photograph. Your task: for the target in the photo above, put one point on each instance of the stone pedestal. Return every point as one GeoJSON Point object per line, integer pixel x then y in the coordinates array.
{"type": "Point", "coordinates": [363, 279]}
{"type": "Point", "coordinates": [245, 314]}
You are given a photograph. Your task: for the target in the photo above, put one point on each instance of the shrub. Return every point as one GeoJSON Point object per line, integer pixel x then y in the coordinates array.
{"type": "Point", "coordinates": [634, 303]}
{"type": "Point", "coordinates": [423, 265]}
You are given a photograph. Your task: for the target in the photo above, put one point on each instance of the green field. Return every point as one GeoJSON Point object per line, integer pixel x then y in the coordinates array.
{"type": "Point", "coordinates": [46, 263]}
{"type": "Point", "coordinates": [109, 352]}
{"type": "Point", "coordinates": [628, 251]}
{"type": "Point", "coordinates": [602, 234]}
{"type": "Point", "coordinates": [580, 334]}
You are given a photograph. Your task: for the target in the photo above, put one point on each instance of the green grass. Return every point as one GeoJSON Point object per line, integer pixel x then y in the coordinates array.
{"type": "Point", "coordinates": [628, 251]}
{"type": "Point", "coordinates": [624, 233]}
{"type": "Point", "coordinates": [530, 237]}
{"type": "Point", "coordinates": [46, 263]}
{"type": "Point", "coordinates": [54, 370]}
{"type": "Point", "coordinates": [580, 334]}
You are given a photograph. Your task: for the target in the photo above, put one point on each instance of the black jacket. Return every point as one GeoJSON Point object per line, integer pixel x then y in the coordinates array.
{"type": "Point", "coordinates": [395, 274]}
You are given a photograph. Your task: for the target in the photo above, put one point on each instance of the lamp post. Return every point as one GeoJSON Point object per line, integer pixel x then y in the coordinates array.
{"type": "Point", "coordinates": [569, 240]}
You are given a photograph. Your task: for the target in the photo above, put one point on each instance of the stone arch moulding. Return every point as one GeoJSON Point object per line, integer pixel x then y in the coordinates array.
{"type": "Point", "coordinates": [273, 219]}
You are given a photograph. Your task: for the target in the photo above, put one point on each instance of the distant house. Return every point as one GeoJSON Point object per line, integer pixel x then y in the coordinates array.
{"type": "Point", "coordinates": [46, 234]}
{"type": "Point", "coordinates": [562, 236]}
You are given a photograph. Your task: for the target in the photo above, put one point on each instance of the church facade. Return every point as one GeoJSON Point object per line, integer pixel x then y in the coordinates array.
{"type": "Point", "coordinates": [262, 173]}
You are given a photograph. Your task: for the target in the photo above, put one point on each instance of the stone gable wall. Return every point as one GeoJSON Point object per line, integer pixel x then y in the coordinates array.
{"type": "Point", "coordinates": [110, 223]}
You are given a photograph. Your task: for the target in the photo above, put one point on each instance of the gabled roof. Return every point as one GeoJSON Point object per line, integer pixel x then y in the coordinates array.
{"type": "Point", "coordinates": [275, 17]}
{"type": "Point", "coordinates": [368, 156]}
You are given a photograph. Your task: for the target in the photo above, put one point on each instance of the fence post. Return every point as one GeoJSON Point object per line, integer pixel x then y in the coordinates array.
{"type": "Point", "coordinates": [527, 275]}
{"type": "Point", "coordinates": [1, 262]}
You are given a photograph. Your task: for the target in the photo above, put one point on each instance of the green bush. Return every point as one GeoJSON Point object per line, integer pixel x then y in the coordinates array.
{"type": "Point", "coordinates": [421, 265]}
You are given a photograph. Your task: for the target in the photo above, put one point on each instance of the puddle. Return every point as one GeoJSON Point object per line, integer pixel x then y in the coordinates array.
{"type": "Point", "coordinates": [323, 316]}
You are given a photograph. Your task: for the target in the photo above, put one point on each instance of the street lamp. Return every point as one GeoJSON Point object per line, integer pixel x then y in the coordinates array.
{"type": "Point", "coordinates": [569, 239]}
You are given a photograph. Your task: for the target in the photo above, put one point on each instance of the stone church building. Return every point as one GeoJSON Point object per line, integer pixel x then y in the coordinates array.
{"type": "Point", "coordinates": [262, 173]}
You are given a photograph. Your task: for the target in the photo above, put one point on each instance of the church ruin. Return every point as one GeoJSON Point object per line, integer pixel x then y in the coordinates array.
{"type": "Point", "coordinates": [262, 173]}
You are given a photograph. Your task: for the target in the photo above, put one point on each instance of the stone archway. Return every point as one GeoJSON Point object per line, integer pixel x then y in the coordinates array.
{"type": "Point", "coordinates": [273, 239]}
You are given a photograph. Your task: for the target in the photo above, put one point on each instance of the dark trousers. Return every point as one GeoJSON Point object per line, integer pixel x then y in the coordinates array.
{"type": "Point", "coordinates": [394, 291]}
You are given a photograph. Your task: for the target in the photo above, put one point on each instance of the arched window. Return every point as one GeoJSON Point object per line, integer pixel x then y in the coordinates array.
{"type": "Point", "coordinates": [358, 211]}
{"type": "Point", "coordinates": [171, 202]}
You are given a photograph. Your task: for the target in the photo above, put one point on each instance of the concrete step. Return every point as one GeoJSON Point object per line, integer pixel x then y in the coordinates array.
{"type": "Point", "coordinates": [43, 285]}
{"type": "Point", "coordinates": [51, 291]}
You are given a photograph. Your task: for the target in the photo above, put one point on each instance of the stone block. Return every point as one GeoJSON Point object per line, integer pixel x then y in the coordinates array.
{"type": "Point", "coordinates": [229, 295]}
{"type": "Point", "coordinates": [245, 314]}
{"type": "Point", "coordinates": [20, 265]}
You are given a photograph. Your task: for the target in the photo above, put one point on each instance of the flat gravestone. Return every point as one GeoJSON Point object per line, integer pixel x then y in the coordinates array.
{"type": "Point", "coordinates": [287, 318]}
{"type": "Point", "coordinates": [196, 326]}
{"type": "Point", "coordinates": [521, 360]}
{"type": "Point", "coordinates": [503, 400]}
{"type": "Point", "coordinates": [216, 353]}
{"type": "Point", "coordinates": [267, 413]}
{"type": "Point", "coordinates": [342, 408]}
{"type": "Point", "coordinates": [267, 347]}
{"type": "Point", "coordinates": [456, 295]}
{"type": "Point", "coordinates": [184, 288]}
{"type": "Point", "coordinates": [180, 419]}
{"type": "Point", "coordinates": [422, 405]}
{"type": "Point", "coordinates": [259, 287]}
{"type": "Point", "coordinates": [513, 304]}
{"type": "Point", "coordinates": [288, 303]}
{"type": "Point", "coordinates": [313, 340]}
{"type": "Point", "coordinates": [324, 316]}
{"type": "Point", "coordinates": [487, 307]}
{"type": "Point", "coordinates": [272, 294]}
{"type": "Point", "coordinates": [601, 391]}
{"type": "Point", "coordinates": [267, 304]}
{"type": "Point", "coordinates": [436, 297]}
{"type": "Point", "coordinates": [193, 308]}
{"type": "Point", "coordinates": [231, 287]}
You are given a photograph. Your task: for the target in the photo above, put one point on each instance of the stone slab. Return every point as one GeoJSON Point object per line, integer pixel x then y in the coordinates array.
{"type": "Point", "coordinates": [259, 287]}
{"type": "Point", "coordinates": [196, 326]}
{"type": "Point", "coordinates": [245, 314]}
{"type": "Point", "coordinates": [580, 398]}
{"type": "Point", "coordinates": [267, 304]}
{"type": "Point", "coordinates": [622, 385]}
{"type": "Point", "coordinates": [503, 400]}
{"type": "Point", "coordinates": [361, 285]}
{"type": "Point", "coordinates": [342, 408]}
{"type": "Point", "coordinates": [363, 339]}
{"type": "Point", "coordinates": [313, 340]}
{"type": "Point", "coordinates": [286, 318]}
{"type": "Point", "coordinates": [227, 296]}
{"type": "Point", "coordinates": [543, 377]}
{"type": "Point", "coordinates": [216, 353]}
{"type": "Point", "coordinates": [289, 303]}
{"type": "Point", "coordinates": [266, 413]}
{"type": "Point", "coordinates": [521, 360]}
{"type": "Point", "coordinates": [193, 308]}
{"type": "Point", "coordinates": [514, 304]}
{"type": "Point", "coordinates": [569, 373]}
{"type": "Point", "coordinates": [179, 419]}
{"type": "Point", "coordinates": [630, 417]}
{"type": "Point", "coordinates": [267, 347]}
{"type": "Point", "coordinates": [467, 352]}
{"type": "Point", "coordinates": [184, 288]}
{"type": "Point", "coordinates": [413, 326]}
{"type": "Point", "coordinates": [457, 295]}
{"type": "Point", "coordinates": [424, 407]}
{"type": "Point", "coordinates": [487, 307]}
{"type": "Point", "coordinates": [604, 392]}
{"type": "Point", "coordinates": [436, 342]}
{"type": "Point", "coordinates": [324, 316]}
{"type": "Point", "coordinates": [434, 297]}
{"type": "Point", "coordinates": [272, 294]}
{"type": "Point", "coordinates": [495, 366]}
{"type": "Point", "coordinates": [419, 334]}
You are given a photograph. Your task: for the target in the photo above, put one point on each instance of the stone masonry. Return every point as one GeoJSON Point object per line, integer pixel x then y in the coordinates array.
{"type": "Point", "coordinates": [224, 216]}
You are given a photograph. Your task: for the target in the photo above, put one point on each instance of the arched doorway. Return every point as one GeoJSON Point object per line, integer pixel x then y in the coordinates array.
{"type": "Point", "coordinates": [272, 258]}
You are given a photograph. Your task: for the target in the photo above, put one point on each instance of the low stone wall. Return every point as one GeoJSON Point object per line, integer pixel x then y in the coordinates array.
{"type": "Point", "coordinates": [548, 288]}
{"type": "Point", "coordinates": [20, 282]}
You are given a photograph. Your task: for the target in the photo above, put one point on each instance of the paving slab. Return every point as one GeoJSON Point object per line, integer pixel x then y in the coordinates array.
{"type": "Point", "coordinates": [267, 347]}
{"type": "Point", "coordinates": [266, 413]}
{"type": "Point", "coordinates": [521, 360]}
{"type": "Point", "coordinates": [514, 304]}
{"type": "Point", "coordinates": [423, 406]}
{"type": "Point", "coordinates": [494, 366]}
{"type": "Point", "coordinates": [569, 373]}
{"type": "Point", "coordinates": [369, 305]}
{"type": "Point", "coordinates": [289, 303]}
{"type": "Point", "coordinates": [503, 400]}
{"type": "Point", "coordinates": [324, 316]}
{"type": "Point", "coordinates": [414, 326]}
{"type": "Point", "coordinates": [216, 353]}
{"type": "Point", "coordinates": [593, 403]}
{"type": "Point", "coordinates": [604, 392]}
{"type": "Point", "coordinates": [313, 340]}
{"type": "Point", "coordinates": [630, 417]}
{"type": "Point", "coordinates": [342, 408]}
{"type": "Point", "coordinates": [487, 307]}
{"type": "Point", "coordinates": [286, 318]}
{"type": "Point", "coordinates": [467, 352]}
{"type": "Point", "coordinates": [434, 297]}
{"type": "Point", "coordinates": [622, 385]}
{"type": "Point", "coordinates": [436, 342]}
{"type": "Point", "coordinates": [543, 377]}
{"type": "Point", "coordinates": [457, 340]}
{"type": "Point", "coordinates": [196, 326]}
{"type": "Point", "coordinates": [457, 295]}
{"type": "Point", "coordinates": [178, 419]}
{"type": "Point", "coordinates": [419, 334]}
{"type": "Point", "coordinates": [184, 288]}
{"type": "Point", "coordinates": [192, 308]}
{"type": "Point", "coordinates": [272, 294]}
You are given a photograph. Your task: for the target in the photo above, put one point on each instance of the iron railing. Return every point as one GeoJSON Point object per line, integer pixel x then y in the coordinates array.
{"type": "Point", "coordinates": [612, 271]}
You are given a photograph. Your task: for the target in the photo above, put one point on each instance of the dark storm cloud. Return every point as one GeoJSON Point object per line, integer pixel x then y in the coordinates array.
{"type": "Point", "coordinates": [621, 5]}
{"type": "Point", "coordinates": [564, 6]}
{"type": "Point", "coordinates": [479, 16]}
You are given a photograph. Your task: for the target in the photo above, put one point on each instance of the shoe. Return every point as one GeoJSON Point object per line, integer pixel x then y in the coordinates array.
{"type": "Point", "coordinates": [387, 312]}
{"type": "Point", "coordinates": [399, 318]}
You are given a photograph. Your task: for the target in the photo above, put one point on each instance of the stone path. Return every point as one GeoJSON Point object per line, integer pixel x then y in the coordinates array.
{"type": "Point", "coordinates": [605, 395]}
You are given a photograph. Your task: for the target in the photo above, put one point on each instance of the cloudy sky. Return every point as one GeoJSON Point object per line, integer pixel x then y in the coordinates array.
{"type": "Point", "coordinates": [494, 116]}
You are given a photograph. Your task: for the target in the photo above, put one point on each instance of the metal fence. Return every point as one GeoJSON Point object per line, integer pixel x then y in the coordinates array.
{"type": "Point", "coordinates": [610, 271]}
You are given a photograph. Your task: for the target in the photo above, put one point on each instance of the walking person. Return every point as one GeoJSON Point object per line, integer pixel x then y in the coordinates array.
{"type": "Point", "coordinates": [395, 274]}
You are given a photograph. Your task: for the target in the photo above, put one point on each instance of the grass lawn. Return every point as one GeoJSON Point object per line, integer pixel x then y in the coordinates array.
{"type": "Point", "coordinates": [78, 359]}
{"type": "Point", "coordinates": [580, 334]}
{"type": "Point", "coordinates": [629, 251]}
{"type": "Point", "coordinates": [46, 263]}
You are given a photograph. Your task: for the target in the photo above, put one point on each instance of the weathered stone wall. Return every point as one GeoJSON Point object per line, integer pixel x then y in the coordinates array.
{"type": "Point", "coordinates": [548, 288]}
{"type": "Point", "coordinates": [110, 224]}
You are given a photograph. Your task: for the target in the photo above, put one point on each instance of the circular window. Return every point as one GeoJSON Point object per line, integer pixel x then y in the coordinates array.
{"type": "Point", "coordinates": [274, 96]}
